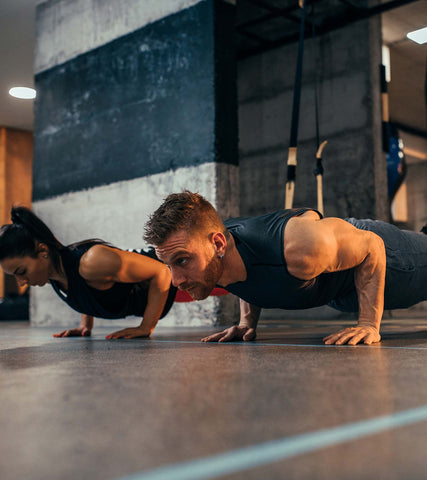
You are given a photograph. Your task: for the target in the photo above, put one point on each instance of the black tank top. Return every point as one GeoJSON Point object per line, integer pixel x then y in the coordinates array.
{"type": "Point", "coordinates": [259, 241]}
{"type": "Point", "coordinates": [119, 301]}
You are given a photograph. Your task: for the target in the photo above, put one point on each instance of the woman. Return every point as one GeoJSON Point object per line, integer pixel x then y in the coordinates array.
{"type": "Point", "coordinates": [94, 278]}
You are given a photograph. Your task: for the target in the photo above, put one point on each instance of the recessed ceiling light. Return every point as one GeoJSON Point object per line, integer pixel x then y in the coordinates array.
{"type": "Point", "coordinates": [22, 92]}
{"type": "Point", "coordinates": [419, 36]}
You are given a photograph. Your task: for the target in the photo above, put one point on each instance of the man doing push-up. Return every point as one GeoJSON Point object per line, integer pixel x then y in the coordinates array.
{"type": "Point", "coordinates": [290, 259]}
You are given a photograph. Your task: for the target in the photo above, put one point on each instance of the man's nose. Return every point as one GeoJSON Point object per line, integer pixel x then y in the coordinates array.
{"type": "Point", "coordinates": [177, 278]}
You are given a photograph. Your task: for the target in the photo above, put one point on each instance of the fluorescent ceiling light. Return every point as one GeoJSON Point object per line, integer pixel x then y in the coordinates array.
{"type": "Point", "coordinates": [419, 36]}
{"type": "Point", "coordinates": [22, 92]}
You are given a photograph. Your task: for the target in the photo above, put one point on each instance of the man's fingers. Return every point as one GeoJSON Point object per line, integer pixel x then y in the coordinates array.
{"type": "Point", "coordinates": [353, 336]}
{"type": "Point", "coordinates": [343, 339]}
{"type": "Point", "coordinates": [215, 337]}
{"type": "Point", "coordinates": [331, 339]}
{"type": "Point", "coordinates": [372, 338]}
{"type": "Point", "coordinates": [224, 336]}
{"type": "Point", "coordinates": [249, 335]}
{"type": "Point", "coordinates": [231, 333]}
{"type": "Point", "coordinates": [357, 338]}
{"type": "Point", "coordinates": [340, 337]}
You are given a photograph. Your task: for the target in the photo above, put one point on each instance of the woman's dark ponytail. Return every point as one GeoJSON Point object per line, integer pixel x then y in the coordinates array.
{"type": "Point", "coordinates": [14, 216]}
{"type": "Point", "coordinates": [23, 236]}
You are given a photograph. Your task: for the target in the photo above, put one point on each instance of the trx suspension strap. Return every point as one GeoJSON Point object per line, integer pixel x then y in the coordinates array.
{"type": "Point", "coordinates": [318, 172]}
{"type": "Point", "coordinates": [292, 152]}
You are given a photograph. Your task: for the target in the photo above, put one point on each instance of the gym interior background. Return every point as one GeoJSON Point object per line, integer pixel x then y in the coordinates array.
{"type": "Point", "coordinates": [138, 98]}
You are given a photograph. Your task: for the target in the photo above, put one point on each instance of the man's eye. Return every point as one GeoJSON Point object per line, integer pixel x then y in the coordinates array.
{"type": "Point", "coordinates": [181, 261]}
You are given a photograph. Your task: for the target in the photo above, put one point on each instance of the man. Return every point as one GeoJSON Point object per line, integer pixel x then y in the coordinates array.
{"type": "Point", "coordinates": [290, 259]}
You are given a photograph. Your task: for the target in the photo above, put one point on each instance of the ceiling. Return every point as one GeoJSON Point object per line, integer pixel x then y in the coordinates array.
{"type": "Point", "coordinates": [260, 26]}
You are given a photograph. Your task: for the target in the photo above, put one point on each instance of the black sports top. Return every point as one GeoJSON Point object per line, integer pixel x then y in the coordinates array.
{"type": "Point", "coordinates": [119, 301]}
{"type": "Point", "coordinates": [259, 241]}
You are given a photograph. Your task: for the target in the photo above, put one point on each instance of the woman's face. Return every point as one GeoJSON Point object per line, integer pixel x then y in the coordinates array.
{"type": "Point", "coordinates": [28, 270]}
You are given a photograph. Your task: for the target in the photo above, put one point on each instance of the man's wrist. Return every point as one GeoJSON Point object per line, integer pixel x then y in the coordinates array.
{"type": "Point", "coordinates": [369, 323]}
{"type": "Point", "coordinates": [246, 324]}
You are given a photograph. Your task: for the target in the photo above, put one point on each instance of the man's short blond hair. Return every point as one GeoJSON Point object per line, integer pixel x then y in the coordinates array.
{"type": "Point", "coordinates": [182, 211]}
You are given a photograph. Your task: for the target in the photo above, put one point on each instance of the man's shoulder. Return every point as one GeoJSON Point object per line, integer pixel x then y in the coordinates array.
{"type": "Point", "coordinates": [270, 221]}
{"type": "Point", "coordinates": [248, 220]}
{"type": "Point", "coordinates": [262, 236]}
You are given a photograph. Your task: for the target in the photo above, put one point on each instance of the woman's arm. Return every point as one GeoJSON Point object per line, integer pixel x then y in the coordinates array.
{"type": "Point", "coordinates": [102, 266]}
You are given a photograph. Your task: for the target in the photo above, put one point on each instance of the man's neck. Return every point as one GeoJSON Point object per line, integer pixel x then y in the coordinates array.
{"type": "Point", "coordinates": [234, 267]}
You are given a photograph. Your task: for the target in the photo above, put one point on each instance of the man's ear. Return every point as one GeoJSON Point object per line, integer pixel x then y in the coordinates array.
{"type": "Point", "coordinates": [220, 243]}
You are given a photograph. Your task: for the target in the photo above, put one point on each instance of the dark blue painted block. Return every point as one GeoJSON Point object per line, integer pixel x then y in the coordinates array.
{"type": "Point", "coordinates": [157, 99]}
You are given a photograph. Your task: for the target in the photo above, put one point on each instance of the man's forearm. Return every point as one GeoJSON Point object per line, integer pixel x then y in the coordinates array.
{"type": "Point", "coordinates": [249, 314]}
{"type": "Point", "coordinates": [370, 283]}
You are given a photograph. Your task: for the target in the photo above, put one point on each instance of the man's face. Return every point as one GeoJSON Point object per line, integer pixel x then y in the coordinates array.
{"type": "Point", "coordinates": [193, 262]}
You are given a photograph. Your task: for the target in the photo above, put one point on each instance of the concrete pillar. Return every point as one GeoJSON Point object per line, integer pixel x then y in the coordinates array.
{"type": "Point", "coordinates": [135, 100]}
{"type": "Point", "coordinates": [346, 63]}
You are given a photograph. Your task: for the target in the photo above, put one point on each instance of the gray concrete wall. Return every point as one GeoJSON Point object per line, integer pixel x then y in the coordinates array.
{"type": "Point", "coordinates": [350, 119]}
{"type": "Point", "coordinates": [85, 186]}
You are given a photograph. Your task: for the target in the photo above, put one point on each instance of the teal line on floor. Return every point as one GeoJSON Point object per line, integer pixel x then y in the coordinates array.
{"type": "Point", "coordinates": [306, 345]}
{"type": "Point", "coordinates": [198, 342]}
{"type": "Point", "coordinates": [264, 453]}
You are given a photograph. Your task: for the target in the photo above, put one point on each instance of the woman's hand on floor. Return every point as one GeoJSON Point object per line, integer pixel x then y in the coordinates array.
{"type": "Point", "coordinates": [74, 332]}
{"type": "Point", "coordinates": [133, 332]}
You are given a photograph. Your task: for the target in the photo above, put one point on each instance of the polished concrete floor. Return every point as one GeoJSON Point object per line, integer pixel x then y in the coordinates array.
{"type": "Point", "coordinates": [283, 407]}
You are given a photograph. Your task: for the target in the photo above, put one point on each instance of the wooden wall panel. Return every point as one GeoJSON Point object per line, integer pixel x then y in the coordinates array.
{"type": "Point", "coordinates": [16, 173]}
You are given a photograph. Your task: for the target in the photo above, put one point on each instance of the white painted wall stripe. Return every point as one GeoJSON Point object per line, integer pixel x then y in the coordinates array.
{"type": "Point", "coordinates": [67, 28]}
{"type": "Point", "coordinates": [265, 453]}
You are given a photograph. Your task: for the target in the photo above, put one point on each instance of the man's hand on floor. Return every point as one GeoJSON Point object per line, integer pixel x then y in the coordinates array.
{"type": "Point", "coordinates": [353, 336]}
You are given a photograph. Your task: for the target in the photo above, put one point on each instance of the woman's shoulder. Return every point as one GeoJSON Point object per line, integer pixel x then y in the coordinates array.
{"type": "Point", "coordinates": [99, 261]}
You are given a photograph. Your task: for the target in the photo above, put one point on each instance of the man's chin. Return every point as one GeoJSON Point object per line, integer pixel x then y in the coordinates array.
{"type": "Point", "coordinates": [198, 295]}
